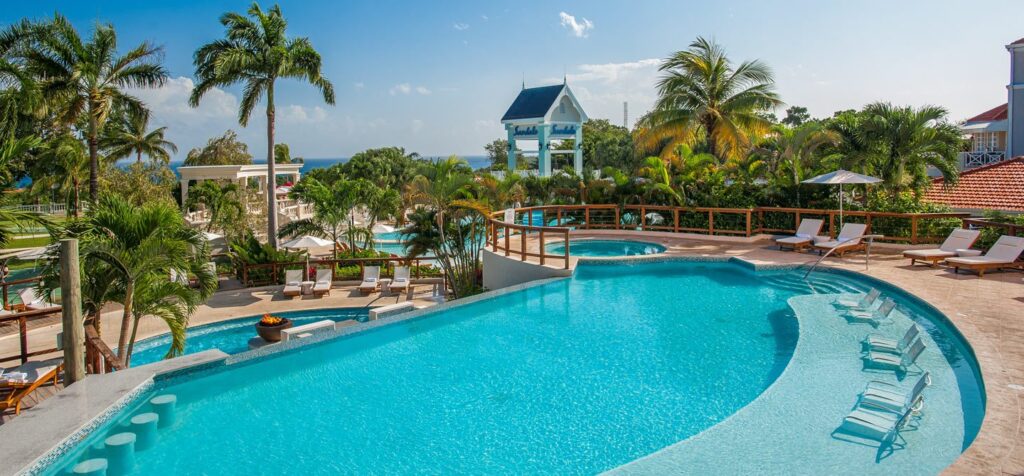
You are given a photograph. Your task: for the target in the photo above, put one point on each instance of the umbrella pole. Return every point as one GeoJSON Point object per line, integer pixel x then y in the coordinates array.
{"type": "Point", "coordinates": [840, 205]}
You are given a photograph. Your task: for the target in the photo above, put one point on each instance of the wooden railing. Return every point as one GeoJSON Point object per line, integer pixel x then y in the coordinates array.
{"type": "Point", "coordinates": [22, 319]}
{"type": "Point", "coordinates": [272, 273]}
{"type": "Point", "coordinates": [500, 233]}
{"type": "Point", "coordinates": [98, 356]}
{"type": "Point", "coordinates": [912, 228]}
{"type": "Point", "coordinates": [1007, 228]}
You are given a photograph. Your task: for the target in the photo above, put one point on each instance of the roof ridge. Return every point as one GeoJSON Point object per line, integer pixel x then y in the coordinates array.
{"type": "Point", "coordinates": [984, 167]}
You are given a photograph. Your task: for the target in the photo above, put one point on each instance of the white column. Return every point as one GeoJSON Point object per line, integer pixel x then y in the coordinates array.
{"type": "Point", "coordinates": [577, 160]}
{"type": "Point", "coordinates": [184, 193]}
{"type": "Point", "coordinates": [543, 154]}
{"type": "Point", "coordinates": [510, 129]}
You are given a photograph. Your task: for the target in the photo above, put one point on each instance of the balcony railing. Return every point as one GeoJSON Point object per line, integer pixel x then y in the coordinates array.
{"type": "Point", "coordinates": [970, 160]}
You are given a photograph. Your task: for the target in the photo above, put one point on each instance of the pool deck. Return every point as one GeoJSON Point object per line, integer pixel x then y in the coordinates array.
{"type": "Point", "coordinates": [985, 310]}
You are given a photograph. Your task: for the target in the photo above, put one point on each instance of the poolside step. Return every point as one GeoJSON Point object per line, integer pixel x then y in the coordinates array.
{"type": "Point", "coordinates": [120, 453]}
{"type": "Point", "coordinates": [390, 310]}
{"type": "Point", "coordinates": [144, 425]}
{"type": "Point", "coordinates": [91, 467]}
{"type": "Point", "coordinates": [163, 405]}
{"type": "Point", "coordinates": [306, 330]}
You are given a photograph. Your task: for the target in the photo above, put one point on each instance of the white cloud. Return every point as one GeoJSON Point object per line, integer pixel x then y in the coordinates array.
{"type": "Point", "coordinates": [422, 90]}
{"type": "Point", "coordinates": [296, 113]}
{"type": "Point", "coordinates": [484, 17]}
{"type": "Point", "coordinates": [614, 72]}
{"type": "Point", "coordinates": [579, 28]}
{"type": "Point", "coordinates": [403, 88]}
{"type": "Point", "coordinates": [460, 26]}
{"type": "Point", "coordinates": [417, 126]}
{"type": "Point", "coordinates": [359, 85]}
{"type": "Point", "coordinates": [172, 99]}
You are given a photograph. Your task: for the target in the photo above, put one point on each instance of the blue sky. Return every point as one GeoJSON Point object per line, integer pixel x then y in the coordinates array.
{"type": "Point", "coordinates": [435, 77]}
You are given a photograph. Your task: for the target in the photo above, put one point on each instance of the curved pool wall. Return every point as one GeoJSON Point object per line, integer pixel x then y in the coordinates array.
{"type": "Point", "coordinates": [232, 336]}
{"type": "Point", "coordinates": [601, 248]}
{"type": "Point", "coordinates": [417, 324]}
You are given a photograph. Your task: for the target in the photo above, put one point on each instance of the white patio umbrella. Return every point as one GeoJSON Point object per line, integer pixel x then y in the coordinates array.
{"type": "Point", "coordinates": [382, 228]}
{"type": "Point", "coordinates": [306, 242]}
{"type": "Point", "coordinates": [840, 177]}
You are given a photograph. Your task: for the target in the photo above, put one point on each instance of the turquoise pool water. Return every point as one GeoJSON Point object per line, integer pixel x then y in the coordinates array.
{"type": "Point", "coordinates": [574, 376]}
{"type": "Point", "coordinates": [388, 236]}
{"type": "Point", "coordinates": [605, 248]}
{"type": "Point", "coordinates": [233, 336]}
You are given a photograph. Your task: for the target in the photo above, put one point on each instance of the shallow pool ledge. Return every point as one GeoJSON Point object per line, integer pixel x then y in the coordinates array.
{"type": "Point", "coordinates": [43, 433]}
{"type": "Point", "coordinates": [793, 420]}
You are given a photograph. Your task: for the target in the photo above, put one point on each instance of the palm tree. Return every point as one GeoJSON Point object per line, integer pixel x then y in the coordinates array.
{"type": "Point", "coordinates": [129, 135]}
{"type": "Point", "coordinates": [907, 140]}
{"type": "Point", "coordinates": [659, 180]}
{"type": "Point", "coordinates": [332, 211]}
{"type": "Point", "coordinates": [174, 302]}
{"type": "Point", "coordinates": [10, 150]}
{"type": "Point", "coordinates": [89, 78]}
{"type": "Point", "coordinates": [220, 200]}
{"type": "Point", "coordinates": [69, 166]}
{"type": "Point", "coordinates": [703, 98]}
{"type": "Point", "coordinates": [791, 150]}
{"type": "Point", "coordinates": [143, 246]}
{"type": "Point", "coordinates": [257, 52]}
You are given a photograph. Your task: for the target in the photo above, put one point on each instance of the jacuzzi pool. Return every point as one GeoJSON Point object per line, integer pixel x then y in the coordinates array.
{"type": "Point", "coordinates": [664, 367]}
{"type": "Point", "coordinates": [605, 248]}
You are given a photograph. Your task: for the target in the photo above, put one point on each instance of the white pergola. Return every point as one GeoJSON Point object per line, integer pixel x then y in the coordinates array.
{"type": "Point", "coordinates": [545, 114]}
{"type": "Point", "coordinates": [239, 174]}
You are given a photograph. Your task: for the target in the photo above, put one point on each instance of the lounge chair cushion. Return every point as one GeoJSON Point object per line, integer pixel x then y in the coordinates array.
{"type": "Point", "coordinates": [926, 254]}
{"type": "Point", "coordinates": [794, 240]}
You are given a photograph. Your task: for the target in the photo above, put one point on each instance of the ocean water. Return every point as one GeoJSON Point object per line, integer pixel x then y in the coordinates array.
{"type": "Point", "coordinates": [474, 161]}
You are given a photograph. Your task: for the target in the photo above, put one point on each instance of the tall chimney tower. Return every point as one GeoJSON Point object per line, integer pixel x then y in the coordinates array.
{"type": "Point", "coordinates": [625, 114]}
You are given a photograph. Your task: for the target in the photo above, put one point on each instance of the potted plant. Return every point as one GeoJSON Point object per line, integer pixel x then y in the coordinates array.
{"type": "Point", "coordinates": [270, 327]}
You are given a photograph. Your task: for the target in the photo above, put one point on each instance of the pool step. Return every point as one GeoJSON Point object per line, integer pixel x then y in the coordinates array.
{"type": "Point", "coordinates": [115, 455]}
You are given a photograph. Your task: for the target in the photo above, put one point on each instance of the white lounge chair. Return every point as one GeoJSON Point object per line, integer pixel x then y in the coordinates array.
{"type": "Point", "coordinates": [958, 239]}
{"type": "Point", "coordinates": [22, 380]}
{"type": "Point", "coordinates": [880, 343]}
{"type": "Point", "coordinates": [900, 362]}
{"type": "Point", "coordinates": [886, 396]}
{"type": "Point", "coordinates": [324, 281]}
{"type": "Point", "coordinates": [1003, 254]}
{"type": "Point", "coordinates": [849, 239]}
{"type": "Point", "coordinates": [804, 236]}
{"type": "Point", "coordinates": [872, 316]}
{"type": "Point", "coordinates": [371, 279]}
{"type": "Point", "coordinates": [32, 300]}
{"type": "Point", "coordinates": [862, 304]}
{"type": "Point", "coordinates": [401, 281]}
{"type": "Point", "coordinates": [879, 425]}
{"type": "Point", "coordinates": [292, 282]}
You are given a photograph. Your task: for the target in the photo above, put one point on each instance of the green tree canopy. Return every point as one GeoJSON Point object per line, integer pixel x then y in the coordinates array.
{"type": "Point", "coordinates": [223, 150]}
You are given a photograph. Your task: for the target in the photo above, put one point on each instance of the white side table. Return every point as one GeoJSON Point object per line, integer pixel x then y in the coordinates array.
{"type": "Point", "coordinates": [963, 252]}
{"type": "Point", "coordinates": [385, 286]}
{"type": "Point", "coordinates": [307, 287]}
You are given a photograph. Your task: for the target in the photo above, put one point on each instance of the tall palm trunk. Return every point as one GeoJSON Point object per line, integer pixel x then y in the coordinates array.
{"type": "Point", "coordinates": [138, 156]}
{"type": "Point", "coordinates": [77, 199]}
{"type": "Point", "coordinates": [126, 320]}
{"type": "Point", "coordinates": [94, 158]}
{"type": "Point", "coordinates": [709, 137]}
{"type": "Point", "coordinates": [271, 172]}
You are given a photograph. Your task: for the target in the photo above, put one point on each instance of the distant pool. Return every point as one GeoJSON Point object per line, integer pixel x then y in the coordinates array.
{"type": "Point", "coordinates": [233, 336]}
{"type": "Point", "coordinates": [605, 248]}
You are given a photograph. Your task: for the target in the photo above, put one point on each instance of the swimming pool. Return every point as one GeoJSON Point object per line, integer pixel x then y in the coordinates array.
{"type": "Point", "coordinates": [605, 248]}
{"type": "Point", "coordinates": [233, 336]}
{"type": "Point", "coordinates": [576, 376]}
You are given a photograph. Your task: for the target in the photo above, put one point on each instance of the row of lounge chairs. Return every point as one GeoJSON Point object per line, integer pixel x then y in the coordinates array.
{"type": "Point", "coordinates": [371, 280]}
{"type": "Point", "coordinates": [955, 251]}
{"type": "Point", "coordinates": [18, 382]}
{"type": "Point", "coordinates": [293, 282]}
{"type": "Point", "coordinates": [883, 409]}
{"type": "Point", "coordinates": [807, 236]}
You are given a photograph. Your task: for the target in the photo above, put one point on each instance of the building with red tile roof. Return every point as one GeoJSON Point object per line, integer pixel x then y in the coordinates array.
{"type": "Point", "coordinates": [998, 186]}
{"type": "Point", "coordinates": [998, 133]}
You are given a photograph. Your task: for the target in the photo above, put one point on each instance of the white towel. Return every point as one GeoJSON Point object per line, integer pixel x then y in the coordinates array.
{"type": "Point", "coordinates": [371, 280]}
{"type": "Point", "coordinates": [293, 283]}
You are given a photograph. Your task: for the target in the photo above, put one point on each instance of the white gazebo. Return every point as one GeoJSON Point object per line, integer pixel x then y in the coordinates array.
{"type": "Point", "coordinates": [544, 114]}
{"type": "Point", "coordinates": [239, 174]}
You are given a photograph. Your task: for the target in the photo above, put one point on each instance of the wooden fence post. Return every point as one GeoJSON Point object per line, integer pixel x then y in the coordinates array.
{"type": "Point", "coordinates": [618, 219]}
{"type": "Point", "coordinates": [748, 223]}
{"type": "Point", "coordinates": [913, 229]}
{"type": "Point", "coordinates": [711, 222]}
{"type": "Point", "coordinates": [675, 220]}
{"type": "Point", "coordinates": [542, 252]}
{"type": "Point", "coordinates": [73, 334]}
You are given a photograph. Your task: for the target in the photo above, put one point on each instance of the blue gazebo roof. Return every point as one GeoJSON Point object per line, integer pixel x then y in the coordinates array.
{"type": "Point", "coordinates": [533, 102]}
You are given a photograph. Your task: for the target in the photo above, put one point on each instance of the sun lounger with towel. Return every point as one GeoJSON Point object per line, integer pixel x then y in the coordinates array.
{"type": "Point", "coordinates": [804, 236]}
{"type": "Point", "coordinates": [20, 381]}
{"type": "Point", "coordinates": [1003, 254]}
{"type": "Point", "coordinates": [293, 282]}
{"type": "Point", "coordinates": [958, 239]}
{"type": "Point", "coordinates": [849, 239]}
{"type": "Point", "coordinates": [401, 281]}
{"type": "Point", "coordinates": [371, 279]}
{"type": "Point", "coordinates": [324, 281]}
{"type": "Point", "coordinates": [32, 300]}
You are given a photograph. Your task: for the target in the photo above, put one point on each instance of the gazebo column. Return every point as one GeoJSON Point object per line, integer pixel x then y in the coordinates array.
{"type": "Point", "coordinates": [543, 152]}
{"type": "Point", "coordinates": [577, 159]}
{"type": "Point", "coordinates": [184, 193]}
{"type": "Point", "coordinates": [510, 129]}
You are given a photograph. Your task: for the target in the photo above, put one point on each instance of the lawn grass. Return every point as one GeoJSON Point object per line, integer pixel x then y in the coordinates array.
{"type": "Point", "coordinates": [29, 242]}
